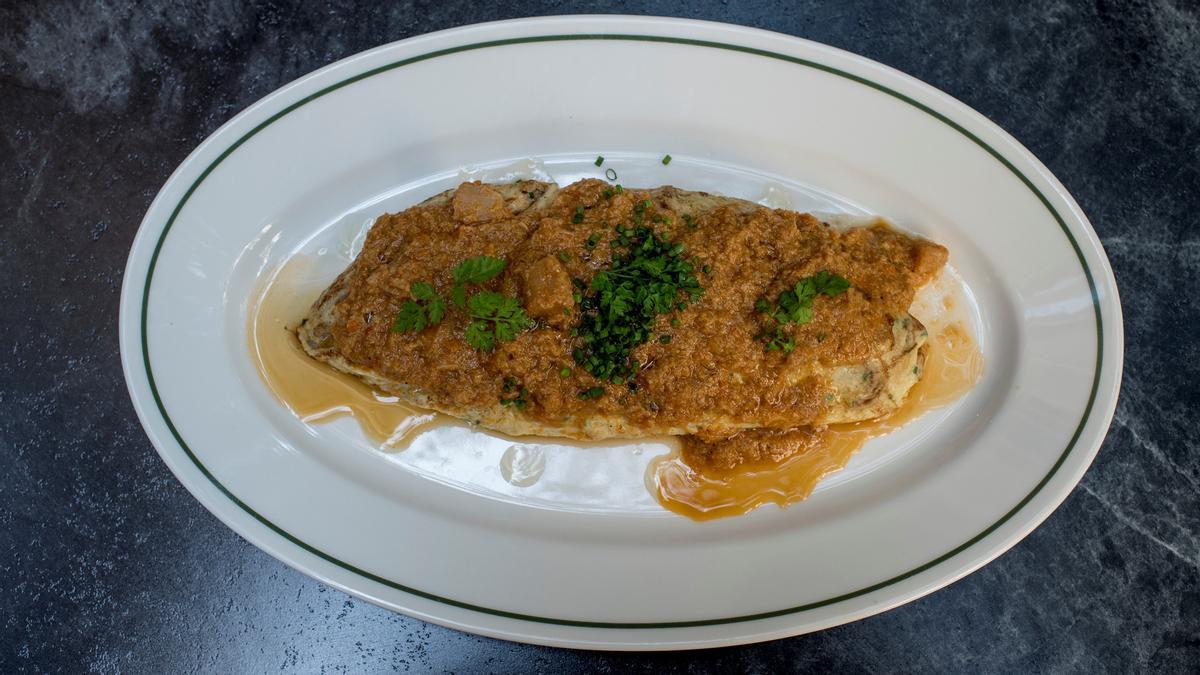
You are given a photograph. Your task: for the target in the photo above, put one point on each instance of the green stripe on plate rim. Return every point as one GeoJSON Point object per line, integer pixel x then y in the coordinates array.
{"type": "Point", "coordinates": [613, 624]}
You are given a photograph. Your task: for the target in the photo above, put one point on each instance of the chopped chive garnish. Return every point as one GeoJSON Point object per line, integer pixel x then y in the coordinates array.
{"type": "Point", "coordinates": [599, 160]}
{"type": "Point", "coordinates": [520, 400]}
{"type": "Point", "coordinates": [666, 160]}
{"type": "Point", "coordinates": [578, 215]}
{"type": "Point", "coordinates": [611, 175]}
{"type": "Point", "coordinates": [594, 392]}
{"type": "Point", "coordinates": [707, 269]}
{"type": "Point", "coordinates": [565, 372]}
{"type": "Point", "coordinates": [619, 308]}
{"type": "Point", "coordinates": [664, 339]}
{"type": "Point", "coordinates": [564, 256]}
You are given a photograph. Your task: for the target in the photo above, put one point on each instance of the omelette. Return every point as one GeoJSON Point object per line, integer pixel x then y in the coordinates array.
{"type": "Point", "coordinates": [594, 311]}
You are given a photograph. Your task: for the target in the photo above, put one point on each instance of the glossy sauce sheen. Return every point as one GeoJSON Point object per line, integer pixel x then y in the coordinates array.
{"type": "Point", "coordinates": [704, 369]}
{"type": "Point", "coordinates": [316, 393]}
{"type": "Point", "coordinates": [313, 391]}
{"type": "Point", "coordinates": [779, 464]}
{"type": "Point", "coordinates": [952, 366]}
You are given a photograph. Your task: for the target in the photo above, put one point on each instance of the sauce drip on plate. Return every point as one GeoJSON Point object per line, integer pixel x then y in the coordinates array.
{"type": "Point", "coordinates": [316, 393]}
{"type": "Point", "coordinates": [313, 391]}
{"type": "Point", "coordinates": [952, 366]}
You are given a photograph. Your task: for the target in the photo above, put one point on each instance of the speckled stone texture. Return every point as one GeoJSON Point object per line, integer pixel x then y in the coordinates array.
{"type": "Point", "coordinates": [107, 564]}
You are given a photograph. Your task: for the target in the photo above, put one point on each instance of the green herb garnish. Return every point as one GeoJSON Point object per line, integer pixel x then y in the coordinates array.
{"type": "Point", "coordinates": [794, 306]}
{"type": "Point", "coordinates": [434, 304]}
{"type": "Point", "coordinates": [475, 270]}
{"type": "Point", "coordinates": [578, 217]}
{"type": "Point", "coordinates": [592, 393]}
{"type": "Point", "coordinates": [599, 160]}
{"type": "Point", "coordinates": [478, 269]}
{"type": "Point", "coordinates": [639, 211]}
{"type": "Point", "coordinates": [666, 160]}
{"type": "Point", "coordinates": [426, 309]}
{"type": "Point", "coordinates": [411, 317]}
{"type": "Point", "coordinates": [512, 386]}
{"type": "Point", "coordinates": [494, 317]}
{"type": "Point", "coordinates": [622, 301]}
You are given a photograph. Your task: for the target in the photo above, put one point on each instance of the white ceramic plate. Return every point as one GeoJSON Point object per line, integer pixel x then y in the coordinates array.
{"type": "Point", "coordinates": [584, 557]}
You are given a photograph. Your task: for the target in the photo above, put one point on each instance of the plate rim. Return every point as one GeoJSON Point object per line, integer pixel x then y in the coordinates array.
{"type": "Point", "coordinates": [132, 359]}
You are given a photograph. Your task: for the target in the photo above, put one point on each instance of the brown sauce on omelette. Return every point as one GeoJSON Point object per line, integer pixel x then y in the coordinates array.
{"type": "Point", "coordinates": [707, 481]}
{"type": "Point", "coordinates": [706, 363]}
{"type": "Point", "coordinates": [708, 373]}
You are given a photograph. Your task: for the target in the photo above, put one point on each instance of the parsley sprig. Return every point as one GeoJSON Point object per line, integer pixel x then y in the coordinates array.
{"type": "Point", "coordinates": [475, 270]}
{"type": "Point", "coordinates": [494, 317]}
{"type": "Point", "coordinates": [425, 309]}
{"type": "Point", "coordinates": [619, 308]}
{"type": "Point", "coordinates": [794, 306]}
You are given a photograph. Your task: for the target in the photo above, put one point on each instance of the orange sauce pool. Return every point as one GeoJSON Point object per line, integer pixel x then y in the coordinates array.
{"type": "Point", "coordinates": [313, 391]}
{"type": "Point", "coordinates": [316, 393]}
{"type": "Point", "coordinates": [952, 366]}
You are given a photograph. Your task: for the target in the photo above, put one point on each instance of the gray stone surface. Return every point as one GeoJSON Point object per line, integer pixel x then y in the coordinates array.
{"type": "Point", "coordinates": [107, 564]}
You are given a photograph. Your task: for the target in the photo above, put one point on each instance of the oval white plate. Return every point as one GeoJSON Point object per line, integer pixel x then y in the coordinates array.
{"type": "Point", "coordinates": [584, 557]}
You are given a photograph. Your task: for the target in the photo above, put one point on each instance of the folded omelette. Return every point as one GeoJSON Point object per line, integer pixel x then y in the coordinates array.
{"type": "Point", "coordinates": [594, 311]}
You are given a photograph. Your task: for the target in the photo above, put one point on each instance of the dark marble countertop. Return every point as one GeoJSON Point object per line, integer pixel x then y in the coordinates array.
{"type": "Point", "coordinates": [107, 564]}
